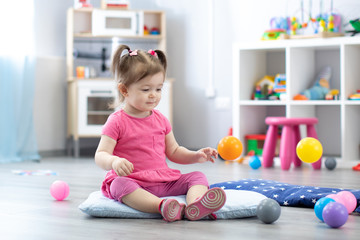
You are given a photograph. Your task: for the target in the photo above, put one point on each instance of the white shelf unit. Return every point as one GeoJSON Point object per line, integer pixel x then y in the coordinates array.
{"type": "Point", "coordinates": [301, 60]}
{"type": "Point", "coordinates": [88, 98]}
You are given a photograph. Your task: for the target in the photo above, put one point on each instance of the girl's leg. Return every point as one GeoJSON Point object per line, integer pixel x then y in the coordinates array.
{"type": "Point", "coordinates": [130, 193]}
{"type": "Point", "coordinates": [143, 201]}
{"type": "Point", "coordinates": [195, 192]}
{"type": "Point", "coordinates": [208, 203]}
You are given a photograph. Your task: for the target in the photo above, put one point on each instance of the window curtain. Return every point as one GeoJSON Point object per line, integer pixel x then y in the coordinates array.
{"type": "Point", "coordinates": [17, 79]}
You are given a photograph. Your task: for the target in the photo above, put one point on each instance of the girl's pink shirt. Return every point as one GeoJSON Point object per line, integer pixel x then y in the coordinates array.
{"type": "Point", "coordinates": [142, 142]}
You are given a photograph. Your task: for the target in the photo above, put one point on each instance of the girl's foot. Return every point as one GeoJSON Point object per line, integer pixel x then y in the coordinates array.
{"type": "Point", "coordinates": [213, 200]}
{"type": "Point", "coordinates": [172, 210]}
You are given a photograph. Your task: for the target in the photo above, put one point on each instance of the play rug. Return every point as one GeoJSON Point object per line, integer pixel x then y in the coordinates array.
{"type": "Point", "coordinates": [286, 194]}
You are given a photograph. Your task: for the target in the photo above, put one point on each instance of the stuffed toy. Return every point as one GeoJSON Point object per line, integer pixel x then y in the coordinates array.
{"type": "Point", "coordinates": [320, 88]}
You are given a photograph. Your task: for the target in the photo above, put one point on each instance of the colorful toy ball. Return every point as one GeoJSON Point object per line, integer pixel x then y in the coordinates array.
{"type": "Point", "coordinates": [334, 196]}
{"type": "Point", "coordinates": [309, 150]}
{"type": "Point", "coordinates": [319, 206]}
{"type": "Point", "coordinates": [230, 148]}
{"type": "Point", "coordinates": [254, 162]}
{"type": "Point", "coordinates": [348, 199]}
{"type": "Point", "coordinates": [59, 190]}
{"type": "Point", "coordinates": [330, 163]}
{"type": "Point", "coordinates": [335, 214]}
{"type": "Point", "coordinates": [268, 210]}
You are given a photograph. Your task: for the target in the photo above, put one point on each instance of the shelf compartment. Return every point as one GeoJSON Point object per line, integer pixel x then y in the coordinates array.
{"type": "Point", "coordinates": [351, 132]}
{"type": "Point", "coordinates": [307, 62]}
{"type": "Point", "coordinates": [351, 70]}
{"type": "Point", "coordinates": [257, 114]}
{"type": "Point", "coordinates": [328, 128]}
{"type": "Point", "coordinates": [265, 61]}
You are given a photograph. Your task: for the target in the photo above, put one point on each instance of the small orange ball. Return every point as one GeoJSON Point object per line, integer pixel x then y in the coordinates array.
{"type": "Point", "coordinates": [230, 148]}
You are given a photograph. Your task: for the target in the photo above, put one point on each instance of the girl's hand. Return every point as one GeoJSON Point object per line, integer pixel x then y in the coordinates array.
{"type": "Point", "coordinates": [206, 154]}
{"type": "Point", "coordinates": [122, 167]}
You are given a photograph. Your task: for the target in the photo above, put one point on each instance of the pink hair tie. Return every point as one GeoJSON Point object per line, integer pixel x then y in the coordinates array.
{"type": "Point", "coordinates": [133, 53]}
{"type": "Point", "coordinates": [152, 52]}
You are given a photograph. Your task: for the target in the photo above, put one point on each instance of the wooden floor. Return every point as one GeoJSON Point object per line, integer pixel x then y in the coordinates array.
{"type": "Point", "coordinates": [27, 210]}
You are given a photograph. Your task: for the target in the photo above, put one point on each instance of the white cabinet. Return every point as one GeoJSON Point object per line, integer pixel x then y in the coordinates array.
{"type": "Point", "coordinates": [94, 105]}
{"type": "Point", "coordinates": [301, 60]}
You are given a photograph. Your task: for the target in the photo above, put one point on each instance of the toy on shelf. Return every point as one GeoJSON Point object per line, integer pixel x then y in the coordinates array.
{"type": "Point", "coordinates": [324, 25]}
{"type": "Point", "coordinates": [273, 34]}
{"type": "Point", "coordinates": [320, 88]}
{"type": "Point", "coordinates": [280, 85]}
{"type": "Point", "coordinates": [82, 4]}
{"type": "Point", "coordinates": [355, 96]}
{"type": "Point", "coordinates": [115, 4]}
{"type": "Point", "coordinates": [264, 89]}
{"type": "Point", "coordinates": [154, 31]}
{"type": "Point", "coordinates": [146, 30]}
{"type": "Point", "coordinates": [333, 94]}
{"type": "Point", "coordinates": [278, 26]}
{"type": "Point", "coordinates": [356, 25]}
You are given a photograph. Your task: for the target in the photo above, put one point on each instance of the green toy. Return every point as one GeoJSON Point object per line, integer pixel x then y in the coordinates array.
{"type": "Point", "coordinates": [356, 25]}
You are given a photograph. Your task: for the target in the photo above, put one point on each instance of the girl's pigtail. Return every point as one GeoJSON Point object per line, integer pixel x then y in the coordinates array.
{"type": "Point", "coordinates": [162, 58]}
{"type": "Point", "coordinates": [117, 59]}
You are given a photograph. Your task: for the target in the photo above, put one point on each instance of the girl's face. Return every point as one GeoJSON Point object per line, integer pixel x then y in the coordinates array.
{"type": "Point", "coordinates": [143, 96]}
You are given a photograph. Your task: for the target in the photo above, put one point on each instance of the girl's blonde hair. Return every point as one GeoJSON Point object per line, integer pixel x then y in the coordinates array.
{"type": "Point", "coordinates": [135, 65]}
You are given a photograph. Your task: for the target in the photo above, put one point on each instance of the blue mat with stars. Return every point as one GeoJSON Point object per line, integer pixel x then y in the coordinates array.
{"type": "Point", "coordinates": [286, 194]}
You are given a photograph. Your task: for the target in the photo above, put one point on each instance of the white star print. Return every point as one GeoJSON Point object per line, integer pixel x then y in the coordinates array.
{"type": "Point", "coordinates": [313, 200]}
{"type": "Point", "coordinates": [286, 203]}
{"type": "Point", "coordinates": [239, 186]}
{"type": "Point", "coordinates": [302, 196]}
{"type": "Point", "coordinates": [309, 190]}
{"type": "Point", "coordinates": [255, 187]}
{"type": "Point", "coordinates": [276, 196]}
{"type": "Point", "coordinates": [223, 187]}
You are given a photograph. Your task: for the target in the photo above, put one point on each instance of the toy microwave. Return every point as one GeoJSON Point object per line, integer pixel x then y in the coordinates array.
{"type": "Point", "coordinates": [125, 23]}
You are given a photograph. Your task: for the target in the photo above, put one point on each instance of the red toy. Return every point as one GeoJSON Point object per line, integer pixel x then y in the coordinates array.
{"type": "Point", "coordinates": [356, 168]}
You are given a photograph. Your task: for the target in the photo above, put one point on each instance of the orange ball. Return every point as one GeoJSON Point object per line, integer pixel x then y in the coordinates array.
{"type": "Point", "coordinates": [230, 148]}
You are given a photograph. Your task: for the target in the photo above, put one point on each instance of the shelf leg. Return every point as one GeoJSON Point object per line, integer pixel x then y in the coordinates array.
{"type": "Point", "coordinates": [297, 162]}
{"type": "Point", "coordinates": [286, 147]}
{"type": "Point", "coordinates": [68, 145]}
{"type": "Point", "coordinates": [311, 132]}
{"type": "Point", "coordinates": [269, 146]}
{"type": "Point", "coordinates": [76, 148]}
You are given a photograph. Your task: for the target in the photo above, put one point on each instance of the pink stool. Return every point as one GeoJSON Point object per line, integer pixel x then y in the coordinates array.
{"type": "Point", "coordinates": [289, 138]}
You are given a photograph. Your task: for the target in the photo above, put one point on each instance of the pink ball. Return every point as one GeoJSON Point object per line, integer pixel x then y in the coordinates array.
{"type": "Point", "coordinates": [335, 197]}
{"type": "Point", "coordinates": [348, 199]}
{"type": "Point", "coordinates": [59, 190]}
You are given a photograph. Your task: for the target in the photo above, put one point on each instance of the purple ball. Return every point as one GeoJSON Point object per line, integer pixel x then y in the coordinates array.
{"type": "Point", "coordinates": [335, 214]}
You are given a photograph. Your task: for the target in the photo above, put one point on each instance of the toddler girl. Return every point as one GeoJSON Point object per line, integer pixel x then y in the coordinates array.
{"type": "Point", "coordinates": [136, 140]}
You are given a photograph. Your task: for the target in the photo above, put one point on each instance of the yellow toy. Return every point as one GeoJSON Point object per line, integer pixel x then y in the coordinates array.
{"type": "Point", "coordinates": [309, 150]}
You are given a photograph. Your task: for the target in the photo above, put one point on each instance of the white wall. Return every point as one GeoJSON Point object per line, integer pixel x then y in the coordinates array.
{"type": "Point", "coordinates": [50, 81]}
{"type": "Point", "coordinates": [197, 123]}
